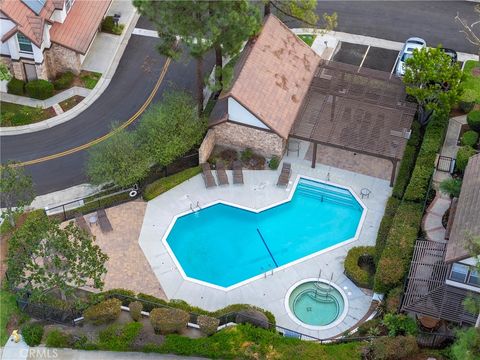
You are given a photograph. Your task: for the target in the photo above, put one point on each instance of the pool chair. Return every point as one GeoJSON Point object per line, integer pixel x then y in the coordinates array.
{"type": "Point", "coordinates": [103, 221]}
{"type": "Point", "coordinates": [221, 173]}
{"type": "Point", "coordinates": [208, 176]}
{"type": "Point", "coordinates": [82, 224]}
{"type": "Point", "coordinates": [237, 172]}
{"type": "Point", "coordinates": [284, 174]}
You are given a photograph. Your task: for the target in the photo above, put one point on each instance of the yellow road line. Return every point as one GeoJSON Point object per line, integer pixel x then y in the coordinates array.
{"type": "Point", "coordinates": [106, 136]}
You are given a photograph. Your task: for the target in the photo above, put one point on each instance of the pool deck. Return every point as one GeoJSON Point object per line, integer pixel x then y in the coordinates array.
{"type": "Point", "coordinates": [268, 292]}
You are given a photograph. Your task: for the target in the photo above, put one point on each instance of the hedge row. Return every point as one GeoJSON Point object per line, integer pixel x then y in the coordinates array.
{"type": "Point", "coordinates": [385, 225]}
{"type": "Point", "coordinates": [395, 259]}
{"type": "Point", "coordinates": [425, 164]}
{"type": "Point", "coordinates": [164, 184]}
{"type": "Point", "coordinates": [355, 270]}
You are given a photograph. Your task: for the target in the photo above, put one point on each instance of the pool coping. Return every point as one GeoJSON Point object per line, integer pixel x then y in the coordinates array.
{"type": "Point", "coordinates": [292, 263]}
{"type": "Point", "coordinates": [313, 327]}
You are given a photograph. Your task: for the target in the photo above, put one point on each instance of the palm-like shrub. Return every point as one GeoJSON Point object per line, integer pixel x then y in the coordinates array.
{"type": "Point", "coordinates": [451, 187]}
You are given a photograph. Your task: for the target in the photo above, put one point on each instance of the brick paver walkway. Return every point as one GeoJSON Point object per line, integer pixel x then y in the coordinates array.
{"type": "Point", "coordinates": [127, 267]}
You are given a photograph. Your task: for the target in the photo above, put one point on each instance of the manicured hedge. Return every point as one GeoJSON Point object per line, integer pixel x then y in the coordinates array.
{"type": "Point", "coordinates": [473, 120]}
{"type": "Point", "coordinates": [16, 87]}
{"type": "Point", "coordinates": [469, 138]}
{"type": "Point", "coordinates": [425, 164]}
{"type": "Point", "coordinates": [395, 260]}
{"type": "Point", "coordinates": [354, 272]}
{"type": "Point", "coordinates": [64, 81]}
{"type": "Point", "coordinates": [104, 312]}
{"type": "Point", "coordinates": [169, 321]}
{"type": "Point", "coordinates": [164, 184]}
{"type": "Point", "coordinates": [385, 225]}
{"type": "Point", "coordinates": [463, 154]}
{"type": "Point", "coordinates": [39, 89]}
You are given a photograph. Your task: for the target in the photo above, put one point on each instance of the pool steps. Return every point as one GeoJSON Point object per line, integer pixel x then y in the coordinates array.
{"type": "Point", "coordinates": [327, 193]}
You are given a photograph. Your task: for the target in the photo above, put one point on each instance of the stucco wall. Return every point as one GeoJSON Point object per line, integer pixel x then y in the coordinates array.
{"type": "Point", "coordinates": [207, 146]}
{"type": "Point", "coordinates": [240, 137]}
{"type": "Point", "coordinates": [60, 59]}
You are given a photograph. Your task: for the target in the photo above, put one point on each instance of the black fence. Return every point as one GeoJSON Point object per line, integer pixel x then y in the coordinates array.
{"type": "Point", "coordinates": [48, 313]}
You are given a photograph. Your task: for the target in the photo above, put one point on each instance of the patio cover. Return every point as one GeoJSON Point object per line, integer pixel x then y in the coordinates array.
{"type": "Point", "coordinates": [359, 110]}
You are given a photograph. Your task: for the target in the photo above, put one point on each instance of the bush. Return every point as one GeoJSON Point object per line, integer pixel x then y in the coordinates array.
{"type": "Point", "coordinates": [167, 321]}
{"type": "Point", "coordinates": [124, 295]}
{"type": "Point", "coordinates": [463, 154]}
{"type": "Point", "coordinates": [400, 325]}
{"type": "Point", "coordinates": [58, 339]}
{"type": "Point", "coordinates": [108, 24]}
{"type": "Point", "coordinates": [451, 187]}
{"type": "Point", "coordinates": [208, 325]}
{"type": "Point", "coordinates": [246, 154]}
{"type": "Point", "coordinates": [164, 184]}
{"type": "Point", "coordinates": [359, 264]}
{"type": "Point", "coordinates": [64, 81]}
{"type": "Point", "coordinates": [274, 162]}
{"type": "Point", "coordinates": [136, 310]}
{"type": "Point", "coordinates": [385, 225]}
{"type": "Point", "coordinates": [32, 334]}
{"type": "Point", "coordinates": [467, 100]}
{"type": "Point", "coordinates": [253, 317]}
{"type": "Point", "coordinates": [473, 120]}
{"type": "Point", "coordinates": [397, 348]}
{"type": "Point", "coordinates": [370, 327]}
{"type": "Point", "coordinates": [469, 138]}
{"type": "Point", "coordinates": [104, 312]}
{"type": "Point", "coordinates": [16, 87]}
{"type": "Point", "coordinates": [394, 296]}
{"type": "Point", "coordinates": [39, 89]}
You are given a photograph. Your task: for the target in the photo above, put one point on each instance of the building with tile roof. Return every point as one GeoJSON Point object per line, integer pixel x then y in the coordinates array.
{"type": "Point", "coordinates": [43, 38]}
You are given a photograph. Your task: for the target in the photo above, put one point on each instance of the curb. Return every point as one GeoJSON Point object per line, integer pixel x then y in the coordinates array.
{"type": "Point", "coordinates": [85, 103]}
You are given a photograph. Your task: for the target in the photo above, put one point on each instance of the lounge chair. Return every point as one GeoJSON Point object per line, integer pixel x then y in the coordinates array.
{"type": "Point", "coordinates": [284, 176]}
{"type": "Point", "coordinates": [208, 176]}
{"type": "Point", "coordinates": [82, 224]}
{"type": "Point", "coordinates": [237, 172]}
{"type": "Point", "coordinates": [221, 173]}
{"type": "Point", "coordinates": [103, 221]}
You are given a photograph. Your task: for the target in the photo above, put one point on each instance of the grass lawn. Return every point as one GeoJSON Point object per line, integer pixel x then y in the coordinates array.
{"type": "Point", "coordinates": [16, 115]}
{"type": "Point", "coordinates": [70, 102]}
{"type": "Point", "coordinates": [472, 82]}
{"type": "Point", "coordinates": [308, 39]}
{"type": "Point", "coordinates": [7, 309]}
{"type": "Point", "coordinates": [90, 78]}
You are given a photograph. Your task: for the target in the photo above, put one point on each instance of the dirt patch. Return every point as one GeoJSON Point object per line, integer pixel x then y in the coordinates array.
{"type": "Point", "coordinates": [476, 71]}
{"type": "Point", "coordinates": [71, 102]}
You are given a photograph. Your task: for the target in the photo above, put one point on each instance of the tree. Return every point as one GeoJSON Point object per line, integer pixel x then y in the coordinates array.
{"type": "Point", "coordinates": [43, 256]}
{"type": "Point", "coordinates": [433, 80]}
{"type": "Point", "coordinates": [117, 159]}
{"type": "Point", "coordinates": [16, 190]}
{"type": "Point", "coordinates": [171, 128]}
{"type": "Point", "coordinates": [471, 33]}
{"type": "Point", "coordinates": [467, 344]}
{"type": "Point", "coordinates": [187, 20]}
{"type": "Point", "coordinates": [4, 73]}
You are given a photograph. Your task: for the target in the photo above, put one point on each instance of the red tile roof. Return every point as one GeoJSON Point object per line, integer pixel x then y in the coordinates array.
{"type": "Point", "coordinates": [275, 76]}
{"type": "Point", "coordinates": [81, 25]}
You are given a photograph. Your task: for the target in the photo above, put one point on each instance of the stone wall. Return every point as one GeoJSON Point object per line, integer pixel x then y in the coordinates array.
{"type": "Point", "coordinates": [59, 59]}
{"type": "Point", "coordinates": [207, 146]}
{"type": "Point", "coordinates": [42, 71]}
{"type": "Point", "coordinates": [240, 137]}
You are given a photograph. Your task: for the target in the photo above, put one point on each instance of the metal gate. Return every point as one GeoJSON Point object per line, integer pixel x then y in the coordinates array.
{"type": "Point", "coordinates": [446, 164]}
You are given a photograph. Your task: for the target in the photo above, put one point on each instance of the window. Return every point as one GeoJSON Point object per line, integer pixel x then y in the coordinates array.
{"type": "Point", "coordinates": [24, 44]}
{"type": "Point", "coordinates": [474, 278]}
{"type": "Point", "coordinates": [68, 4]}
{"type": "Point", "coordinates": [459, 272]}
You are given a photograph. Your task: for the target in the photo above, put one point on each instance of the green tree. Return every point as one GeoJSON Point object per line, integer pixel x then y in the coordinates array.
{"type": "Point", "coordinates": [433, 80]}
{"type": "Point", "coordinates": [43, 256]}
{"type": "Point", "coordinates": [16, 190]}
{"type": "Point", "coordinates": [5, 73]}
{"type": "Point", "coordinates": [171, 128]}
{"type": "Point", "coordinates": [117, 159]}
{"type": "Point", "coordinates": [467, 344]}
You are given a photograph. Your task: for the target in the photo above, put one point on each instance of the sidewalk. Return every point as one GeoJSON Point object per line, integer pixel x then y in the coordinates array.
{"type": "Point", "coordinates": [64, 95]}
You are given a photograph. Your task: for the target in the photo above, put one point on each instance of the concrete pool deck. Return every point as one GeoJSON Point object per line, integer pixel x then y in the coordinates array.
{"type": "Point", "coordinates": [269, 291]}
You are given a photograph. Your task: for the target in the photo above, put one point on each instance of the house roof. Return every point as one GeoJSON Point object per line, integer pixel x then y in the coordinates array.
{"type": "Point", "coordinates": [81, 25]}
{"type": "Point", "coordinates": [467, 215]}
{"type": "Point", "coordinates": [273, 75]}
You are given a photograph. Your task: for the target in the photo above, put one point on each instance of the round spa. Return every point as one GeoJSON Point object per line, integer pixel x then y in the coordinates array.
{"type": "Point", "coordinates": [316, 304]}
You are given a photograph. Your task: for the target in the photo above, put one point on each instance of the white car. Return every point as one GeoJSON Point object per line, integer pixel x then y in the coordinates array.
{"type": "Point", "coordinates": [407, 52]}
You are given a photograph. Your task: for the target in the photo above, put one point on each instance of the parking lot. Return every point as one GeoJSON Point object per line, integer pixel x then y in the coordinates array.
{"type": "Point", "coordinates": [366, 56]}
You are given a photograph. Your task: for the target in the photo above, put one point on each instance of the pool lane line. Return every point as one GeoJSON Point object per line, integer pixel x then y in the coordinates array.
{"type": "Point", "coordinates": [266, 246]}
{"type": "Point", "coordinates": [106, 136]}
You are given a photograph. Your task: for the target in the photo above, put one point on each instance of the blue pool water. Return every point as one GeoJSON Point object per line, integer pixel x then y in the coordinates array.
{"type": "Point", "coordinates": [224, 245]}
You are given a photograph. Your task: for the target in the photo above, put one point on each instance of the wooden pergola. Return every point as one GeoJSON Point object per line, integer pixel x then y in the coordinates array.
{"type": "Point", "coordinates": [356, 109]}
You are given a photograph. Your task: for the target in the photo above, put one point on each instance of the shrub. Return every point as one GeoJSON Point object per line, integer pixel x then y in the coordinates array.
{"type": "Point", "coordinates": [394, 297]}
{"type": "Point", "coordinates": [274, 162]}
{"type": "Point", "coordinates": [397, 348]}
{"type": "Point", "coordinates": [39, 89]}
{"type": "Point", "coordinates": [64, 81]}
{"type": "Point", "coordinates": [359, 264]}
{"type": "Point", "coordinates": [385, 225]}
{"type": "Point", "coordinates": [108, 24]}
{"type": "Point", "coordinates": [467, 344]}
{"type": "Point", "coordinates": [369, 327]}
{"type": "Point", "coordinates": [467, 100]}
{"type": "Point", "coordinates": [164, 184]}
{"type": "Point", "coordinates": [253, 317]}
{"type": "Point", "coordinates": [119, 337]}
{"type": "Point", "coordinates": [135, 310]}
{"type": "Point", "coordinates": [246, 154]}
{"type": "Point", "coordinates": [473, 120]}
{"type": "Point", "coordinates": [400, 325]}
{"type": "Point", "coordinates": [463, 154]}
{"type": "Point", "coordinates": [16, 87]}
{"type": "Point", "coordinates": [208, 325]}
{"type": "Point", "coordinates": [469, 138]}
{"type": "Point", "coordinates": [32, 334]}
{"type": "Point", "coordinates": [124, 295]}
{"type": "Point", "coordinates": [451, 187]}
{"type": "Point", "coordinates": [167, 321]}
{"type": "Point", "coordinates": [58, 339]}
{"type": "Point", "coordinates": [104, 312]}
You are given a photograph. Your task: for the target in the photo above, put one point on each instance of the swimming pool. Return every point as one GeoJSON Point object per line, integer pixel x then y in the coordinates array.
{"type": "Point", "coordinates": [225, 245]}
